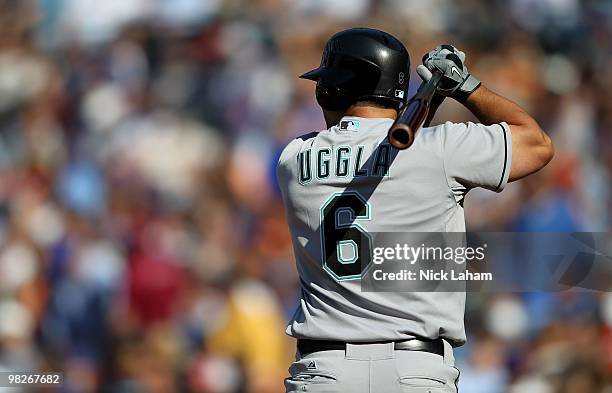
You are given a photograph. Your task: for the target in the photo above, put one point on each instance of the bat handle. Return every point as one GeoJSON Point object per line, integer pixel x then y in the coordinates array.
{"type": "Point", "coordinates": [436, 101]}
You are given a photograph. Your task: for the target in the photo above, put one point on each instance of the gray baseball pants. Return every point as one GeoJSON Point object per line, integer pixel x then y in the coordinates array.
{"type": "Point", "coordinates": [373, 368]}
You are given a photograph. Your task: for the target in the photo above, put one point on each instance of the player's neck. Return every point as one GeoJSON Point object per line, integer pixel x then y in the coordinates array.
{"type": "Point", "coordinates": [371, 112]}
{"type": "Point", "coordinates": [333, 117]}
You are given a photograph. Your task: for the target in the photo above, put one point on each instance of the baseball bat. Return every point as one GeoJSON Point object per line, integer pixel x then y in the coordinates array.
{"type": "Point", "coordinates": [413, 114]}
{"type": "Point", "coordinates": [435, 103]}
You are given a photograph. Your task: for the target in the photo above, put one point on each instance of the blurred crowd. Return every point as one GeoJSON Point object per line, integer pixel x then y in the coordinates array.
{"type": "Point", "coordinates": [143, 246]}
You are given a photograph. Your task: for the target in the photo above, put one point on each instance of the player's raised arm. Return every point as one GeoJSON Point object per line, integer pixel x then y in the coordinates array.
{"type": "Point", "coordinates": [532, 149]}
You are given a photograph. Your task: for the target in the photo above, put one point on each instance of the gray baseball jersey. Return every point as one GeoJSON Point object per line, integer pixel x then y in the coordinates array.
{"type": "Point", "coordinates": [351, 168]}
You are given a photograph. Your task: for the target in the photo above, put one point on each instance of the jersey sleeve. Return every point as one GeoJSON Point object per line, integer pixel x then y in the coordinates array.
{"type": "Point", "coordinates": [287, 161]}
{"type": "Point", "coordinates": [476, 155]}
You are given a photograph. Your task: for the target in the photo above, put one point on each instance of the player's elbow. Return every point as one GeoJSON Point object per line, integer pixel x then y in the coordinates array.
{"type": "Point", "coordinates": [539, 145]}
{"type": "Point", "coordinates": [532, 151]}
{"type": "Point", "coordinates": [547, 150]}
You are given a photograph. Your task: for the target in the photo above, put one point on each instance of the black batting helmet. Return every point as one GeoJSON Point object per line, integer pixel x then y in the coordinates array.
{"type": "Point", "coordinates": [361, 64]}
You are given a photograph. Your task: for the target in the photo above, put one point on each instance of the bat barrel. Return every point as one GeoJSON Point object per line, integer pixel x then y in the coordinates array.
{"type": "Point", "coordinates": [401, 136]}
{"type": "Point", "coordinates": [403, 131]}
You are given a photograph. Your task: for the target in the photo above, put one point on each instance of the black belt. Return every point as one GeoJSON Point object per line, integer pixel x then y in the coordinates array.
{"type": "Point", "coordinates": [436, 346]}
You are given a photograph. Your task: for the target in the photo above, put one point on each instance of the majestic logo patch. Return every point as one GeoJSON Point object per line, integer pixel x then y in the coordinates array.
{"type": "Point", "coordinates": [312, 365]}
{"type": "Point", "coordinates": [399, 93]}
{"type": "Point", "coordinates": [349, 125]}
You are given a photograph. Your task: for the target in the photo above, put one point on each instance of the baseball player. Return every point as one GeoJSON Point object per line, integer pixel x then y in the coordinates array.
{"type": "Point", "coordinates": [341, 183]}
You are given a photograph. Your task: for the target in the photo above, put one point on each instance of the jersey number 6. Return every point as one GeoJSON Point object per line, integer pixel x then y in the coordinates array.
{"type": "Point", "coordinates": [345, 245]}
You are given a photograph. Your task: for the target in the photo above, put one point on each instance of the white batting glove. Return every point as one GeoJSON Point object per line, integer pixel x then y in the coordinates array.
{"type": "Point", "coordinates": [457, 82]}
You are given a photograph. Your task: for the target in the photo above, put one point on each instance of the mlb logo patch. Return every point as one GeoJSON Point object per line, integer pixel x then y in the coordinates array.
{"type": "Point", "coordinates": [349, 125]}
{"type": "Point", "coordinates": [399, 93]}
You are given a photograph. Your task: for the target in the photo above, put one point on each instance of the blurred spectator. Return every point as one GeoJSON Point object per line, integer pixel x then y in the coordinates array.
{"type": "Point", "coordinates": [142, 241]}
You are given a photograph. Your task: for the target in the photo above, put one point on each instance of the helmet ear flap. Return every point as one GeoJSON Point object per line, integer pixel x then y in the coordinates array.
{"type": "Point", "coordinates": [333, 98]}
